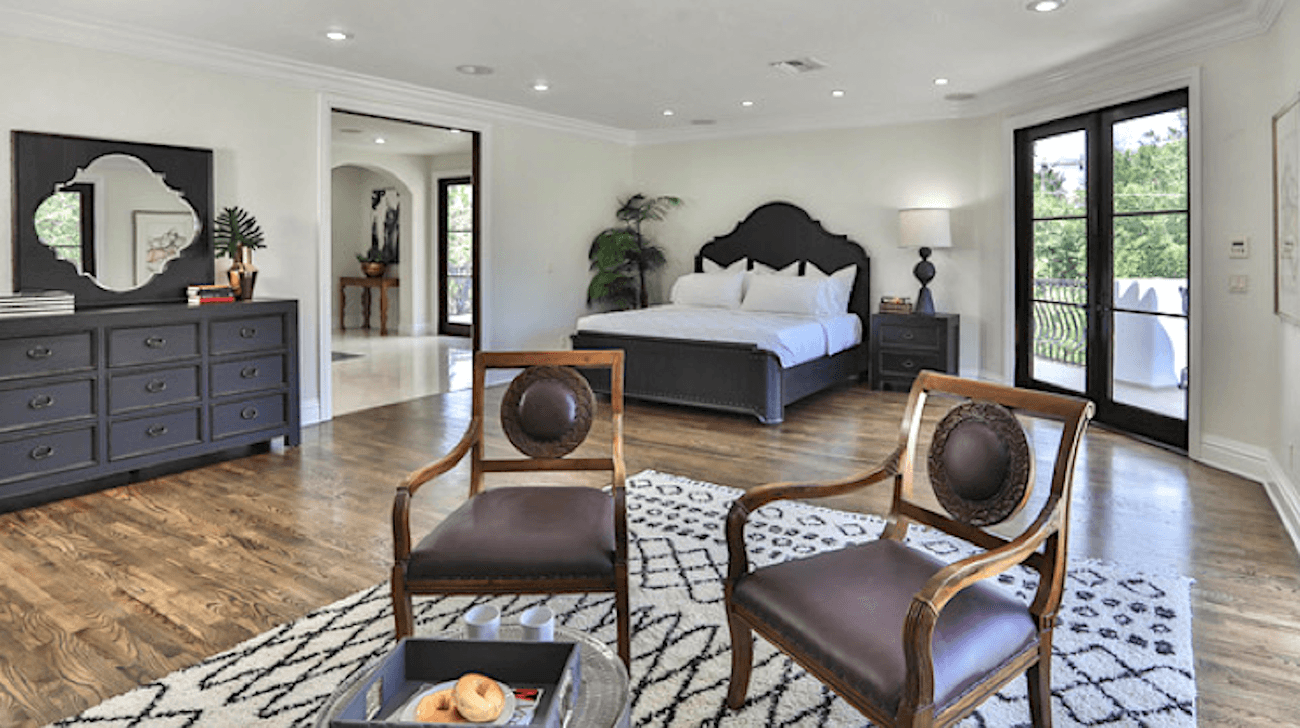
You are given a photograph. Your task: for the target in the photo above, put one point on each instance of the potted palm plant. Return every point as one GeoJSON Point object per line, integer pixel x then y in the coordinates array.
{"type": "Point", "coordinates": [236, 235]}
{"type": "Point", "coordinates": [621, 256]}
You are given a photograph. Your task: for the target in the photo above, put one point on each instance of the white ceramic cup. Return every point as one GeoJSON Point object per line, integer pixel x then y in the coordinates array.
{"type": "Point", "coordinates": [482, 622]}
{"type": "Point", "coordinates": [538, 624]}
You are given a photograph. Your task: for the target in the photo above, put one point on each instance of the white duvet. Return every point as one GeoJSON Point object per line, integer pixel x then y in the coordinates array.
{"type": "Point", "coordinates": [794, 339]}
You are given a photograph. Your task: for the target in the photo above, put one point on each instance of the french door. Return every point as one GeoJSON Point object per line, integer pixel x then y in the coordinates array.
{"type": "Point", "coordinates": [455, 256]}
{"type": "Point", "coordinates": [1102, 262]}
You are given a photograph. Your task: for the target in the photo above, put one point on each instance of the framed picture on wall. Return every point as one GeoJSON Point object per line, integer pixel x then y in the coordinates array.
{"type": "Point", "coordinates": [1286, 211]}
{"type": "Point", "coordinates": [159, 237]}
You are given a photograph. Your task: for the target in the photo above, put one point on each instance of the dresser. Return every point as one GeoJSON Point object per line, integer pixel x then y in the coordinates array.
{"type": "Point", "coordinates": [904, 344]}
{"type": "Point", "coordinates": [87, 400]}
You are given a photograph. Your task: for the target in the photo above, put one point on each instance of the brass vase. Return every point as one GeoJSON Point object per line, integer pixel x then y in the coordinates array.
{"type": "Point", "coordinates": [373, 269]}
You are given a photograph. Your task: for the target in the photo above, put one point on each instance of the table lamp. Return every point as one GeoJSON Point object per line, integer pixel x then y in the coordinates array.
{"type": "Point", "coordinates": [925, 228]}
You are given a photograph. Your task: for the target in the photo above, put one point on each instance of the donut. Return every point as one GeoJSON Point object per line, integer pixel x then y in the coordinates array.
{"type": "Point", "coordinates": [478, 698]}
{"type": "Point", "coordinates": [439, 707]}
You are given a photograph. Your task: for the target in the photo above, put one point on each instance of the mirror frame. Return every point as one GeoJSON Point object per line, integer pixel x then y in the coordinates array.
{"type": "Point", "coordinates": [42, 162]}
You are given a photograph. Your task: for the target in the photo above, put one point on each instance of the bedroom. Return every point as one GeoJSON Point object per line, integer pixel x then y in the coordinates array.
{"type": "Point", "coordinates": [852, 179]}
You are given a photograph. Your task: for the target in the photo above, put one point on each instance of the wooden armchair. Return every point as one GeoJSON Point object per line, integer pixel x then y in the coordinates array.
{"type": "Point", "coordinates": [903, 637]}
{"type": "Point", "coordinates": [525, 539]}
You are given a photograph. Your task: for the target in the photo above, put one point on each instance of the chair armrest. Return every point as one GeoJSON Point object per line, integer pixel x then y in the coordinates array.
{"type": "Point", "coordinates": [742, 507]}
{"type": "Point", "coordinates": [412, 482]}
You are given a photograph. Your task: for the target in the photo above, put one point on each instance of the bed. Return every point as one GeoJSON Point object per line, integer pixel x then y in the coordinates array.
{"type": "Point", "coordinates": [736, 376]}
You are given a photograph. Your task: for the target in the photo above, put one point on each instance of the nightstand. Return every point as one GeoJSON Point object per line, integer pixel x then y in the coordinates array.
{"type": "Point", "coordinates": [902, 344]}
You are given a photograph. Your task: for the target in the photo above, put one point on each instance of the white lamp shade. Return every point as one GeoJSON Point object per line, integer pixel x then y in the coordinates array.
{"type": "Point", "coordinates": [924, 227]}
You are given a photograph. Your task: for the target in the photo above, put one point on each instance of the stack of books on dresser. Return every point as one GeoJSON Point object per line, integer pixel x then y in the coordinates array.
{"type": "Point", "coordinates": [211, 293]}
{"type": "Point", "coordinates": [36, 303]}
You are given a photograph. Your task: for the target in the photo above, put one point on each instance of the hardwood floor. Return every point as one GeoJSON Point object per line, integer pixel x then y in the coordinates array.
{"type": "Point", "coordinates": [110, 590]}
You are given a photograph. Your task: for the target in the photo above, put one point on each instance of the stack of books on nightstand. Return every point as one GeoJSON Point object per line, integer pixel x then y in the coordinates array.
{"type": "Point", "coordinates": [36, 303]}
{"type": "Point", "coordinates": [210, 293]}
{"type": "Point", "coordinates": [894, 304]}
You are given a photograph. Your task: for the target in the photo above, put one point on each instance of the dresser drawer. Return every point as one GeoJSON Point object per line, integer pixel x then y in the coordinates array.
{"type": "Point", "coordinates": [249, 415]}
{"type": "Point", "coordinates": [250, 334]}
{"type": "Point", "coordinates": [37, 355]}
{"type": "Point", "coordinates": [909, 362]}
{"type": "Point", "coordinates": [927, 336]}
{"type": "Point", "coordinates": [39, 454]}
{"type": "Point", "coordinates": [140, 435]}
{"type": "Point", "coordinates": [46, 403]}
{"type": "Point", "coordinates": [152, 389]}
{"type": "Point", "coordinates": [248, 375]}
{"type": "Point", "coordinates": [149, 344]}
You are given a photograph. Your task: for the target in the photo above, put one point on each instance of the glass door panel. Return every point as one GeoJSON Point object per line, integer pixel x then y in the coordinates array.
{"type": "Point", "coordinates": [456, 259]}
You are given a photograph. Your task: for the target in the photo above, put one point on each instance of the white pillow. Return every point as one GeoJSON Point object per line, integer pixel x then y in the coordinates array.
{"type": "Point", "coordinates": [783, 294]}
{"type": "Point", "coordinates": [762, 269]}
{"type": "Point", "coordinates": [717, 290]}
{"type": "Point", "coordinates": [841, 284]}
{"type": "Point", "coordinates": [712, 267]}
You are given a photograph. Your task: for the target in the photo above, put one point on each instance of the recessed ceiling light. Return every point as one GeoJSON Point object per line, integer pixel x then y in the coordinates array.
{"type": "Point", "coordinates": [541, 86]}
{"type": "Point", "coordinates": [940, 82]}
{"type": "Point", "coordinates": [454, 131]}
{"type": "Point", "coordinates": [669, 112]}
{"type": "Point", "coordinates": [1045, 6]}
{"type": "Point", "coordinates": [746, 103]}
{"type": "Point", "coordinates": [337, 35]}
{"type": "Point", "coordinates": [837, 93]}
{"type": "Point", "coordinates": [470, 69]}
{"type": "Point", "coordinates": [380, 140]}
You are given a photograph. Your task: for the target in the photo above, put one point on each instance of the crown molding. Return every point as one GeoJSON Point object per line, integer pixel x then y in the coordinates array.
{"type": "Point", "coordinates": [149, 45]}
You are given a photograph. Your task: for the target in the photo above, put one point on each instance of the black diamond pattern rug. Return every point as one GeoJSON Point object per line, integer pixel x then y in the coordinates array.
{"type": "Point", "coordinates": [1123, 654]}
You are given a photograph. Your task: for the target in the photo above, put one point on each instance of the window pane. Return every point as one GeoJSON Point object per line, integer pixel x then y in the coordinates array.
{"type": "Point", "coordinates": [1061, 250]}
{"type": "Point", "coordinates": [1060, 344]}
{"type": "Point", "coordinates": [1151, 162]}
{"type": "Point", "coordinates": [460, 207]}
{"type": "Point", "coordinates": [1060, 175]}
{"type": "Point", "coordinates": [1151, 263]}
{"type": "Point", "coordinates": [1149, 360]}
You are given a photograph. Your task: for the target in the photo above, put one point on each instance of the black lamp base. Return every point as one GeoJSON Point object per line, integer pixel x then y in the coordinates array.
{"type": "Point", "coordinates": [924, 303]}
{"type": "Point", "coordinates": [924, 272]}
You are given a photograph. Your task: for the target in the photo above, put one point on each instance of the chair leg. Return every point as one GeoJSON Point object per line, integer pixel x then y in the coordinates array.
{"type": "Point", "coordinates": [742, 660]}
{"type": "Point", "coordinates": [1039, 676]}
{"type": "Point", "coordinates": [624, 620]}
{"type": "Point", "coordinates": [402, 612]}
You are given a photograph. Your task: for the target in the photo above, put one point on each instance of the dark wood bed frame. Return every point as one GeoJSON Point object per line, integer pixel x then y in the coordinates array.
{"type": "Point", "coordinates": [742, 377]}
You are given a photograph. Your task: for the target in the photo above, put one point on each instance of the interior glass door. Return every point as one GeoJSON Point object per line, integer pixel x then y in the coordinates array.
{"type": "Point", "coordinates": [1102, 271]}
{"type": "Point", "coordinates": [455, 256]}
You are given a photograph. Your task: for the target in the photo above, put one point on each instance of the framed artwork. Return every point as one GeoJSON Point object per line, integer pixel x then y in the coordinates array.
{"type": "Point", "coordinates": [159, 237]}
{"type": "Point", "coordinates": [1286, 211]}
{"type": "Point", "coordinates": [385, 217]}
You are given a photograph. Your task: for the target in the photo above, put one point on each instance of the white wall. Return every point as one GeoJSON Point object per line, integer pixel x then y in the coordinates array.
{"type": "Point", "coordinates": [261, 135]}
{"type": "Point", "coordinates": [854, 182]}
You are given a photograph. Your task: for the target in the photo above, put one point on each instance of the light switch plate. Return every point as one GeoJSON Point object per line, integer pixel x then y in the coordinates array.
{"type": "Point", "coordinates": [1238, 284]}
{"type": "Point", "coordinates": [1239, 248]}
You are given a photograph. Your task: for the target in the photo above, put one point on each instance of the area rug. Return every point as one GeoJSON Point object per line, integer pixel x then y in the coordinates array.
{"type": "Point", "coordinates": [1123, 654]}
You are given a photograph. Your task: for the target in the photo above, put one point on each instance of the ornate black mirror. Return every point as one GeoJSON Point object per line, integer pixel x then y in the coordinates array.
{"type": "Point", "coordinates": [112, 222]}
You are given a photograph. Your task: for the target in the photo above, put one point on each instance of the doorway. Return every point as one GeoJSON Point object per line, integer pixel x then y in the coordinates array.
{"type": "Point", "coordinates": [1103, 283]}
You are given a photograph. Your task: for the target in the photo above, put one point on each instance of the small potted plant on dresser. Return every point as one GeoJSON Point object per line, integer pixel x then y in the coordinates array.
{"type": "Point", "coordinates": [236, 235]}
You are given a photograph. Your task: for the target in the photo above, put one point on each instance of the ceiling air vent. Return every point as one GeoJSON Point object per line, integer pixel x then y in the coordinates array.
{"type": "Point", "coordinates": [796, 66]}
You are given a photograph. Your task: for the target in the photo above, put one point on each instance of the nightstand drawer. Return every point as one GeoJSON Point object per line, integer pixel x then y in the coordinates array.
{"type": "Point", "coordinates": [927, 336]}
{"type": "Point", "coordinates": [46, 403]}
{"type": "Point", "coordinates": [909, 362]}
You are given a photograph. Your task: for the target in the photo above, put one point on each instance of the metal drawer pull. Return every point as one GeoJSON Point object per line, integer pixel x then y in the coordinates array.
{"type": "Point", "coordinates": [247, 332]}
{"type": "Point", "coordinates": [40, 352]}
{"type": "Point", "coordinates": [156, 386]}
{"type": "Point", "coordinates": [909, 364]}
{"type": "Point", "coordinates": [156, 430]}
{"type": "Point", "coordinates": [909, 335]}
{"type": "Point", "coordinates": [41, 401]}
{"type": "Point", "coordinates": [249, 413]}
{"type": "Point", "coordinates": [248, 372]}
{"type": "Point", "coordinates": [155, 342]}
{"type": "Point", "coordinates": [40, 452]}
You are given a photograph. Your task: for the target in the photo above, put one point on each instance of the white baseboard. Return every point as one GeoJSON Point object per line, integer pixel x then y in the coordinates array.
{"type": "Point", "coordinates": [1258, 464]}
{"type": "Point", "coordinates": [309, 412]}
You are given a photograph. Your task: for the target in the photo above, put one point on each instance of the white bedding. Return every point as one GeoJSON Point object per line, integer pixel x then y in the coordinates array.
{"type": "Point", "coordinates": [794, 339]}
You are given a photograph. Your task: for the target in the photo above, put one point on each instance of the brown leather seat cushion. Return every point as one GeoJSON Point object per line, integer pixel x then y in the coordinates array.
{"type": "Point", "coordinates": [521, 532]}
{"type": "Point", "coordinates": [847, 608]}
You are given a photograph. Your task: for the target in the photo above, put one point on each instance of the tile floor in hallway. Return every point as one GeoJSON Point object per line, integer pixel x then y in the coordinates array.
{"type": "Point", "coordinates": [396, 368]}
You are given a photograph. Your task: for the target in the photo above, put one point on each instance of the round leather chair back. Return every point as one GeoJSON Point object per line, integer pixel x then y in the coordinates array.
{"type": "Point", "coordinates": [547, 411]}
{"type": "Point", "coordinates": [981, 465]}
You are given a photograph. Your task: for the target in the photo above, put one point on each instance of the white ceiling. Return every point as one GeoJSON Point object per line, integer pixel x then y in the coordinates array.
{"type": "Point", "coordinates": [357, 131]}
{"type": "Point", "coordinates": [621, 63]}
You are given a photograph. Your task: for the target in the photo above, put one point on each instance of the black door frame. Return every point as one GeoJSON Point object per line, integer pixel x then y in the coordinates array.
{"type": "Point", "coordinates": [1100, 308]}
{"type": "Point", "coordinates": [446, 327]}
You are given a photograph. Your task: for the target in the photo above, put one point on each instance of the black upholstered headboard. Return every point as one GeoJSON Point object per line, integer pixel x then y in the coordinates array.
{"type": "Point", "coordinates": [778, 234]}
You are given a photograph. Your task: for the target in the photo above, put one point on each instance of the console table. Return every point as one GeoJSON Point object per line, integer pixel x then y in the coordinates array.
{"type": "Point", "coordinates": [89, 399]}
{"type": "Point", "coordinates": [366, 283]}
